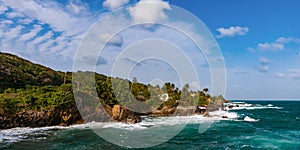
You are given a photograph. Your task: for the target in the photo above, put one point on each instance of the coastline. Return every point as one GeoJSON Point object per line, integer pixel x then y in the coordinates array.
{"type": "Point", "coordinates": [41, 96]}
{"type": "Point", "coordinates": [68, 114]}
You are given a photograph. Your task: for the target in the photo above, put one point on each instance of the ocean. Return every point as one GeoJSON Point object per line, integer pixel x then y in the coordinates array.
{"type": "Point", "coordinates": [261, 125]}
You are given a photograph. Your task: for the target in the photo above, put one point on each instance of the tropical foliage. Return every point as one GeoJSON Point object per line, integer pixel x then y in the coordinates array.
{"type": "Point", "coordinates": [29, 86]}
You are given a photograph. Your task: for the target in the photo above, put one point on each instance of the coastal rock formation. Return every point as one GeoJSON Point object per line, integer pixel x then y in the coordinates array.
{"type": "Point", "coordinates": [55, 116]}
{"type": "Point", "coordinates": [32, 95]}
{"type": "Point", "coordinates": [65, 115]}
{"type": "Point", "coordinates": [123, 114]}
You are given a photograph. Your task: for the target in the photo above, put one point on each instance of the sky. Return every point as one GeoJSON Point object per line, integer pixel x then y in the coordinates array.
{"type": "Point", "coordinates": [259, 39]}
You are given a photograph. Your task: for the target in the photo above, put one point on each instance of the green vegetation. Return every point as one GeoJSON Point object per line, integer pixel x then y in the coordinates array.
{"type": "Point", "coordinates": [28, 86]}
{"type": "Point", "coordinates": [16, 73]}
{"type": "Point", "coordinates": [35, 98]}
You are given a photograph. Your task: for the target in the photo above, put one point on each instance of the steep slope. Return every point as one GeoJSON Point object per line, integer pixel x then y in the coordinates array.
{"type": "Point", "coordinates": [16, 72]}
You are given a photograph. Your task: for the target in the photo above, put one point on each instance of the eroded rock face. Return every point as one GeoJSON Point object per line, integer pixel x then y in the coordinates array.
{"type": "Point", "coordinates": [123, 114]}
{"type": "Point", "coordinates": [66, 115]}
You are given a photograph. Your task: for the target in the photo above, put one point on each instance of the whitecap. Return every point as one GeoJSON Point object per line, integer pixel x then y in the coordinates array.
{"type": "Point", "coordinates": [224, 114]}
{"type": "Point", "coordinates": [18, 134]}
{"type": "Point", "coordinates": [248, 119]}
{"type": "Point", "coordinates": [246, 106]}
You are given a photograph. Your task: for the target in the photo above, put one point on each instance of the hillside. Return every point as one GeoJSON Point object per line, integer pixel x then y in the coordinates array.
{"type": "Point", "coordinates": [16, 73]}
{"type": "Point", "coordinates": [29, 91]}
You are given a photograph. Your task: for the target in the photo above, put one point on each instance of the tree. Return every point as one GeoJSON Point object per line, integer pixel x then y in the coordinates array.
{"type": "Point", "coordinates": [205, 90]}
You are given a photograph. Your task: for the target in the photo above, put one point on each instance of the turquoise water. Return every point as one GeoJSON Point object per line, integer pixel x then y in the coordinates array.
{"type": "Point", "coordinates": [276, 127]}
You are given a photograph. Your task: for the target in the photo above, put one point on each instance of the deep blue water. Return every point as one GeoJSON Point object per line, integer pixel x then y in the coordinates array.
{"type": "Point", "coordinates": [275, 128]}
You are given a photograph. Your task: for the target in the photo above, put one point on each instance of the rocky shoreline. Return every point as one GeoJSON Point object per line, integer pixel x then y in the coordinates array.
{"type": "Point", "coordinates": [64, 116]}
{"type": "Point", "coordinates": [33, 95]}
{"type": "Point", "coordinates": [69, 115]}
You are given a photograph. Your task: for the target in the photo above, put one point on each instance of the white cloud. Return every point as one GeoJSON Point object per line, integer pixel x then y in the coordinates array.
{"type": "Point", "coordinates": [150, 11]}
{"type": "Point", "coordinates": [14, 14]}
{"type": "Point", "coordinates": [3, 9]}
{"type": "Point", "coordinates": [270, 46]}
{"type": "Point", "coordinates": [294, 73]}
{"type": "Point", "coordinates": [232, 31]}
{"type": "Point", "coordinates": [77, 7]}
{"type": "Point", "coordinates": [46, 45]}
{"type": "Point", "coordinates": [116, 40]}
{"type": "Point", "coordinates": [252, 50]}
{"type": "Point", "coordinates": [7, 22]}
{"type": "Point", "coordinates": [25, 20]}
{"type": "Point", "coordinates": [279, 44]}
{"type": "Point", "coordinates": [42, 38]}
{"type": "Point", "coordinates": [287, 40]}
{"type": "Point", "coordinates": [52, 14]}
{"type": "Point", "coordinates": [64, 26]}
{"type": "Point", "coordinates": [279, 75]}
{"type": "Point", "coordinates": [12, 33]}
{"type": "Point", "coordinates": [32, 33]}
{"type": "Point", "coordinates": [263, 68]}
{"type": "Point", "coordinates": [264, 61]}
{"type": "Point", "coordinates": [114, 4]}
{"type": "Point", "coordinates": [263, 65]}
{"type": "Point", "coordinates": [68, 27]}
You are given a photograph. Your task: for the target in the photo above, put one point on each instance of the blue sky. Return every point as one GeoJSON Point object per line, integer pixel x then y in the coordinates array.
{"type": "Point", "coordinates": [259, 40]}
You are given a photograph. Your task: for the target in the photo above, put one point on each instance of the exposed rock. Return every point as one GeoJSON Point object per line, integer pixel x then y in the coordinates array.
{"type": "Point", "coordinates": [67, 115]}
{"type": "Point", "coordinates": [123, 114]}
{"type": "Point", "coordinates": [165, 111]}
{"type": "Point", "coordinates": [64, 115]}
{"type": "Point", "coordinates": [184, 112]}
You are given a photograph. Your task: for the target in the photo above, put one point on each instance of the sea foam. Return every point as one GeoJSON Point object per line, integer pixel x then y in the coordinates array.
{"type": "Point", "coordinates": [248, 119]}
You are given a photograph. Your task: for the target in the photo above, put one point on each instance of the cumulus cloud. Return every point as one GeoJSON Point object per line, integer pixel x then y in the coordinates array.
{"type": "Point", "coordinates": [150, 11]}
{"type": "Point", "coordinates": [232, 31]}
{"type": "Point", "coordinates": [279, 44]}
{"type": "Point", "coordinates": [114, 4]}
{"type": "Point", "coordinates": [270, 46]}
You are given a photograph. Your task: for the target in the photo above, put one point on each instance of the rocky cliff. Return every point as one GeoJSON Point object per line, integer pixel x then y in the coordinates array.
{"type": "Point", "coordinates": [64, 116]}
